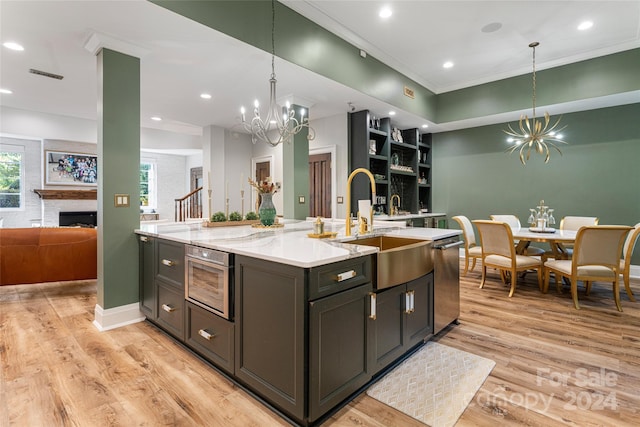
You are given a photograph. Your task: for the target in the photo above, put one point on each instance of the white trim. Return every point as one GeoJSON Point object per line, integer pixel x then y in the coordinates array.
{"type": "Point", "coordinates": [331, 149]}
{"type": "Point", "coordinates": [18, 149]}
{"type": "Point", "coordinates": [116, 317]}
{"type": "Point", "coordinates": [97, 41]}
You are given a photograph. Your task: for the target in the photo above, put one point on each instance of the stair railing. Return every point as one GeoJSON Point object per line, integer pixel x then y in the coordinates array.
{"type": "Point", "coordinates": [189, 206]}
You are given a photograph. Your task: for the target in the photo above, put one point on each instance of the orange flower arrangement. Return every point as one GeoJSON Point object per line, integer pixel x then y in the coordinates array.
{"type": "Point", "coordinates": [264, 187]}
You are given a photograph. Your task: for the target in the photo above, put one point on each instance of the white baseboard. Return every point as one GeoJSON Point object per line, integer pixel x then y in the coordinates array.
{"type": "Point", "coordinates": [634, 271]}
{"type": "Point", "coordinates": [116, 317]}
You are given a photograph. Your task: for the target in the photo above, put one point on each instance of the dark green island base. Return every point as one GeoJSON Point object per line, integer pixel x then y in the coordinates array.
{"type": "Point", "coordinates": [300, 341]}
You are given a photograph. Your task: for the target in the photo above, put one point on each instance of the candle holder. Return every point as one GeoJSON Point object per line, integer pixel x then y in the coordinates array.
{"type": "Point", "coordinates": [209, 212]}
{"type": "Point", "coordinates": [226, 209]}
{"type": "Point", "coordinates": [242, 202]}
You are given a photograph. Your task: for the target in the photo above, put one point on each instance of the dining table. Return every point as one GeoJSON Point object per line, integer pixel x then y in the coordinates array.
{"type": "Point", "coordinates": [555, 238]}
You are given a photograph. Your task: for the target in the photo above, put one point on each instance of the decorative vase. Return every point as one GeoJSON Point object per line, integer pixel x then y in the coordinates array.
{"type": "Point", "coordinates": [267, 210]}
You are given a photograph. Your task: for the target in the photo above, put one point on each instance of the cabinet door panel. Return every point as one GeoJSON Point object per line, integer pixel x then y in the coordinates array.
{"type": "Point", "coordinates": [171, 309]}
{"type": "Point", "coordinates": [338, 348]}
{"type": "Point", "coordinates": [147, 285]}
{"type": "Point", "coordinates": [389, 326]}
{"type": "Point", "coordinates": [170, 262]}
{"type": "Point", "coordinates": [420, 320]}
{"type": "Point", "coordinates": [270, 327]}
{"type": "Point", "coordinates": [211, 336]}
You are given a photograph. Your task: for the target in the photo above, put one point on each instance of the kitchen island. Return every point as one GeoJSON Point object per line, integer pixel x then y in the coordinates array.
{"type": "Point", "coordinates": [308, 330]}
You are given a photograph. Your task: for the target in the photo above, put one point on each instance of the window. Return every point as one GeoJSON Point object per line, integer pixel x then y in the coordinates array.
{"type": "Point", "coordinates": [148, 195]}
{"type": "Point", "coordinates": [11, 177]}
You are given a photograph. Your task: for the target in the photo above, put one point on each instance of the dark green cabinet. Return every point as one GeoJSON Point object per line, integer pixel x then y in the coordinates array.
{"type": "Point", "coordinates": [301, 333]}
{"type": "Point", "coordinates": [161, 283]}
{"type": "Point", "coordinates": [338, 348]}
{"type": "Point", "coordinates": [170, 262]}
{"type": "Point", "coordinates": [420, 319]}
{"type": "Point", "coordinates": [147, 287]}
{"type": "Point", "coordinates": [305, 340]}
{"type": "Point", "coordinates": [171, 309]}
{"type": "Point", "coordinates": [403, 318]}
{"type": "Point", "coordinates": [211, 336]}
{"type": "Point", "coordinates": [270, 307]}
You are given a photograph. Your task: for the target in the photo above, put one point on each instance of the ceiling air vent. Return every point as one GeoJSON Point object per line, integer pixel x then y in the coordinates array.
{"type": "Point", "coordinates": [45, 74]}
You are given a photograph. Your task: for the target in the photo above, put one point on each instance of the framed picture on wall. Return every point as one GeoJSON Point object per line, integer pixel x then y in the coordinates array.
{"type": "Point", "coordinates": [64, 168]}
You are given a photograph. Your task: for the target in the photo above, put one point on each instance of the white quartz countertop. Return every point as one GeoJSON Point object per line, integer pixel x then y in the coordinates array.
{"type": "Point", "coordinates": [287, 245]}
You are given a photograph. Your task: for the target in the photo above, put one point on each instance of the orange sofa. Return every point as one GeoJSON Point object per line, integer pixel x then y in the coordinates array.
{"type": "Point", "coordinates": [34, 255]}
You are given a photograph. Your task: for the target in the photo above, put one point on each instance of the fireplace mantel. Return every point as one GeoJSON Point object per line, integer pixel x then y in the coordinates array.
{"type": "Point", "coordinates": [57, 194]}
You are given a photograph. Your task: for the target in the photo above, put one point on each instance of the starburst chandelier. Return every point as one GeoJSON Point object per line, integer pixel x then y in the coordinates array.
{"type": "Point", "coordinates": [280, 123]}
{"type": "Point", "coordinates": [533, 134]}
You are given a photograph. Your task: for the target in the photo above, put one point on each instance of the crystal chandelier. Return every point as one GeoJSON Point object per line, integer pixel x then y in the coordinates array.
{"type": "Point", "coordinates": [280, 124]}
{"type": "Point", "coordinates": [533, 135]}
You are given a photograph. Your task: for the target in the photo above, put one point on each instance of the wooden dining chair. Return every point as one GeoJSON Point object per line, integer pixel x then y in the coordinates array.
{"type": "Point", "coordinates": [625, 262]}
{"type": "Point", "coordinates": [499, 252]}
{"type": "Point", "coordinates": [596, 257]}
{"type": "Point", "coordinates": [472, 251]}
{"type": "Point", "coordinates": [574, 223]}
{"type": "Point", "coordinates": [514, 223]}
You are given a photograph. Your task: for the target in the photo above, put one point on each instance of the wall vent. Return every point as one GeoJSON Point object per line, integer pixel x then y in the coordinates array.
{"type": "Point", "coordinates": [45, 74]}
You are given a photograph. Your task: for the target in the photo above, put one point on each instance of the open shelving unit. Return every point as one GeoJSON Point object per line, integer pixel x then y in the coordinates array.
{"type": "Point", "coordinates": [399, 161]}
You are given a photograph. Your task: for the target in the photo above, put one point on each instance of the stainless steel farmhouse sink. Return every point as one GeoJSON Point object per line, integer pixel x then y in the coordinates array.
{"type": "Point", "coordinates": [399, 259]}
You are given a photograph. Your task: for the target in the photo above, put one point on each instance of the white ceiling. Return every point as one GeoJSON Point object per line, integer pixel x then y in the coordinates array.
{"type": "Point", "coordinates": [181, 59]}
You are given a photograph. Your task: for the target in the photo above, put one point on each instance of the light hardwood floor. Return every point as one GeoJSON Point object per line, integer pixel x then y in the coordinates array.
{"type": "Point", "coordinates": [554, 365]}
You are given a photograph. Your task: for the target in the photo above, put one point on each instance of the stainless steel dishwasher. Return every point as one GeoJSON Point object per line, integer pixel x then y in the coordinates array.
{"type": "Point", "coordinates": [446, 281]}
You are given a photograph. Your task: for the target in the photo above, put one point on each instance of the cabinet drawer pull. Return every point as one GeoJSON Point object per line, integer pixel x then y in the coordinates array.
{"type": "Point", "coordinates": [409, 302]}
{"type": "Point", "coordinates": [346, 275]}
{"type": "Point", "coordinates": [206, 335]}
{"type": "Point", "coordinates": [168, 262]}
{"type": "Point", "coordinates": [144, 239]}
{"type": "Point", "coordinates": [168, 308]}
{"type": "Point", "coordinates": [372, 311]}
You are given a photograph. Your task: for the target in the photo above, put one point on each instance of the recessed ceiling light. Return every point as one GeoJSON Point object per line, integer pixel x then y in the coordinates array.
{"type": "Point", "coordinates": [425, 126]}
{"type": "Point", "coordinates": [392, 113]}
{"type": "Point", "coordinates": [5, 91]}
{"type": "Point", "coordinates": [447, 64]}
{"type": "Point", "coordinates": [156, 118]}
{"type": "Point", "coordinates": [13, 46]}
{"type": "Point", "coordinates": [585, 25]}
{"type": "Point", "coordinates": [205, 96]}
{"type": "Point", "coordinates": [491, 28]}
{"type": "Point", "coordinates": [385, 12]}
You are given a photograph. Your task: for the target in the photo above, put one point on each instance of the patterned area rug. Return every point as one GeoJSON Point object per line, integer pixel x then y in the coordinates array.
{"type": "Point", "coordinates": [434, 385]}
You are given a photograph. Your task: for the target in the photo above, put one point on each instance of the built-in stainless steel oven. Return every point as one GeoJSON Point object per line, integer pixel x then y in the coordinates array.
{"type": "Point", "coordinates": [208, 280]}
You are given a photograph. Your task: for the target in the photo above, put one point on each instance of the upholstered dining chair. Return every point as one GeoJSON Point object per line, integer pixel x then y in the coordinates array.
{"type": "Point", "coordinates": [499, 252]}
{"type": "Point", "coordinates": [574, 223]}
{"type": "Point", "coordinates": [596, 257]}
{"type": "Point", "coordinates": [472, 251]}
{"type": "Point", "coordinates": [625, 262]}
{"type": "Point", "coordinates": [514, 222]}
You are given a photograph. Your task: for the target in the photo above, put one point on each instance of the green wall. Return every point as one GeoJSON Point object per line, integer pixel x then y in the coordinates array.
{"type": "Point", "coordinates": [305, 43]}
{"type": "Point", "coordinates": [597, 174]}
{"type": "Point", "coordinates": [119, 173]}
{"type": "Point", "coordinates": [602, 76]}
